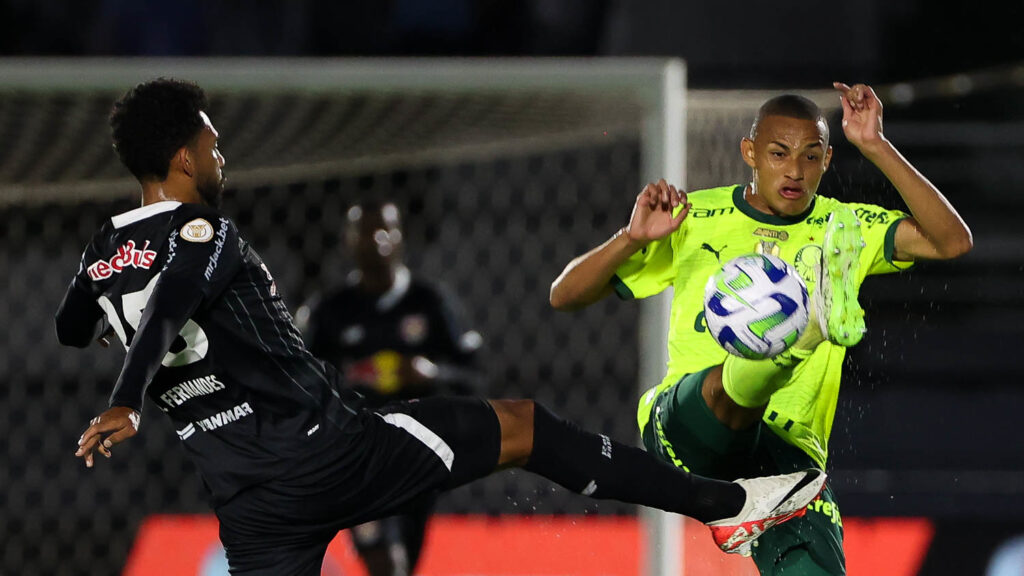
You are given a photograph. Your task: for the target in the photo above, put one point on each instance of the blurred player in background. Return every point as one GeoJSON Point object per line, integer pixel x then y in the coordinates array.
{"type": "Point", "coordinates": [725, 416]}
{"type": "Point", "coordinates": [394, 336]}
{"type": "Point", "coordinates": [288, 453]}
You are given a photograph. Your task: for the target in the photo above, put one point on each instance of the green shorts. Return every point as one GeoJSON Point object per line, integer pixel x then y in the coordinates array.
{"type": "Point", "coordinates": [683, 430]}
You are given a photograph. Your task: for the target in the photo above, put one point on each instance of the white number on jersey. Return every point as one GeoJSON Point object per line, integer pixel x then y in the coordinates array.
{"type": "Point", "coordinates": [133, 304]}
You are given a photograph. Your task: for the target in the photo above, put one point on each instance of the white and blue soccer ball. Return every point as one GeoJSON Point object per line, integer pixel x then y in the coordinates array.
{"type": "Point", "coordinates": [756, 306]}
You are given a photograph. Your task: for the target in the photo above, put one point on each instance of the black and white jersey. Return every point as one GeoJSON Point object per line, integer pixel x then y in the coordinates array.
{"type": "Point", "coordinates": [209, 340]}
{"type": "Point", "coordinates": [415, 317]}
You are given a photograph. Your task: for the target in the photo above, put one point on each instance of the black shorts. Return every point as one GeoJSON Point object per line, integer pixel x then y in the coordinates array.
{"type": "Point", "coordinates": [405, 453]}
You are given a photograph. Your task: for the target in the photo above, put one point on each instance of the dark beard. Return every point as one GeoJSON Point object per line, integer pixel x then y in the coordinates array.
{"type": "Point", "coordinates": [212, 193]}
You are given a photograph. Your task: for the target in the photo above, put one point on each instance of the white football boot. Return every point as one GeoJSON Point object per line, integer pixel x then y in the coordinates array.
{"type": "Point", "coordinates": [771, 500]}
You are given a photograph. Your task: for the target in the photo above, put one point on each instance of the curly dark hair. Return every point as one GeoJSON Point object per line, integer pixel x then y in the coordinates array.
{"type": "Point", "coordinates": [152, 121]}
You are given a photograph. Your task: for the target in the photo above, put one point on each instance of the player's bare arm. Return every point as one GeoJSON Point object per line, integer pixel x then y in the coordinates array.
{"type": "Point", "coordinates": [587, 278]}
{"type": "Point", "coordinates": [936, 230]}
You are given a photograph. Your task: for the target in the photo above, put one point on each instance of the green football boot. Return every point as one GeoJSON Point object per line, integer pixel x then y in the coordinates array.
{"type": "Point", "coordinates": [834, 302]}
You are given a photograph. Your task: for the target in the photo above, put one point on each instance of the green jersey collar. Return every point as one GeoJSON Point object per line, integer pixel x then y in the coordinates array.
{"type": "Point", "coordinates": [746, 208]}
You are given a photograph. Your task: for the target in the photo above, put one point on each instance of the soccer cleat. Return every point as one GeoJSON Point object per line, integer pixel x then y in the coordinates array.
{"type": "Point", "coordinates": [834, 302]}
{"type": "Point", "coordinates": [771, 500]}
{"type": "Point", "coordinates": [746, 550]}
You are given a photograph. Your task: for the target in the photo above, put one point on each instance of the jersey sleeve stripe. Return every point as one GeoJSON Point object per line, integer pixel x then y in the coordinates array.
{"type": "Point", "coordinates": [621, 290]}
{"type": "Point", "coordinates": [890, 243]}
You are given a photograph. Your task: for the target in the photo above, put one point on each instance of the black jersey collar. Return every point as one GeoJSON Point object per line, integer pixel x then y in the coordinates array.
{"type": "Point", "coordinates": [133, 216]}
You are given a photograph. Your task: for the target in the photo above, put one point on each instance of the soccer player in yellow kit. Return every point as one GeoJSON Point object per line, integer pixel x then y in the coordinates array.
{"type": "Point", "coordinates": [726, 416]}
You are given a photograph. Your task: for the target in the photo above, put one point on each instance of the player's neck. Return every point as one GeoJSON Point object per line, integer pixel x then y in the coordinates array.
{"type": "Point", "coordinates": [755, 200]}
{"type": "Point", "coordinates": [154, 191]}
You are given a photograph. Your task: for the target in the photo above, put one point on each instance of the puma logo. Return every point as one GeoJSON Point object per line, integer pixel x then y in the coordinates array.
{"type": "Point", "coordinates": [717, 253]}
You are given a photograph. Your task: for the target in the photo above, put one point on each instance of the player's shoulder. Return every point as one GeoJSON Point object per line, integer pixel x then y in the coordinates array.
{"type": "Point", "coordinates": [870, 215]}
{"type": "Point", "coordinates": [721, 195]}
{"type": "Point", "coordinates": [827, 204]}
{"type": "Point", "coordinates": [200, 223]}
{"type": "Point", "coordinates": [196, 210]}
{"type": "Point", "coordinates": [134, 224]}
{"type": "Point", "coordinates": [191, 211]}
{"type": "Point", "coordinates": [143, 214]}
{"type": "Point", "coordinates": [169, 214]}
{"type": "Point", "coordinates": [710, 205]}
{"type": "Point", "coordinates": [103, 235]}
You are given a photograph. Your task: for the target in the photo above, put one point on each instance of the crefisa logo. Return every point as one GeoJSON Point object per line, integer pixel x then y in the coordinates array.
{"type": "Point", "coordinates": [127, 257]}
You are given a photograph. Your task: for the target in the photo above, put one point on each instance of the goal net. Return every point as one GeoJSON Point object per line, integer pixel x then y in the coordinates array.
{"type": "Point", "coordinates": [504, 169]}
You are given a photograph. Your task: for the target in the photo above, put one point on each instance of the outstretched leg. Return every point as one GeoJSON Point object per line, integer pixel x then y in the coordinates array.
{"type": "Point", "coordinates": [738, 390]}
{"type": "Point", "coordinates": [595, 465]}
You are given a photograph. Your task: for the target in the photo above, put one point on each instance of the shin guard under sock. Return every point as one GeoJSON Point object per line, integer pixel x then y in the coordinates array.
{"type": "Point", "coordinates": [596, 466]}
{"type": "Point", "coordinates": [751, 383]}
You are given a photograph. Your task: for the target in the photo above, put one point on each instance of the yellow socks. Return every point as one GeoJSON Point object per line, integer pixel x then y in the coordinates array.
{"type": "Point", "coordinates": [750, 383]}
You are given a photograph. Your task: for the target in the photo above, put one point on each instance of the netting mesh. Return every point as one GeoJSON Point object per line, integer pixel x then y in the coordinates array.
{"type": "Point", "coordinates": [499, 193]}
{"type": "Point", "coordinates": [59, 146]}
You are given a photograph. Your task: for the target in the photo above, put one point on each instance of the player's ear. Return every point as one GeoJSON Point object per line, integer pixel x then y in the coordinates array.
{"type": "Point", "coordinates": [828, 157]}
{"type": "Point", "coordinates": [747, 151]}
{"type": "Point", "coordinates": [183, 158]}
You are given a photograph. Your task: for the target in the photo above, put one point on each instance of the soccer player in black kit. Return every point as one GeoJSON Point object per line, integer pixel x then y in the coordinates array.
{"type": "Point", "coordinates": [288, 454]}
{"type": "Point", "coordinates": [395, 336]}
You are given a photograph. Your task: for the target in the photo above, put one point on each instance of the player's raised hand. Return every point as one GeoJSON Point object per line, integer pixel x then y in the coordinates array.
{"type": "Point", "coordinates": [862, 114]}
{"type": "Point", "coordinates": [109, 428]}
{"type": "Point", "coordinates": [659, 210]}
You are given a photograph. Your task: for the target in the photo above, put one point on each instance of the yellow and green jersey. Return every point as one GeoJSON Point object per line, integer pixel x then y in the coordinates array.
{"type": "Point", "coordinates": [722, 225]}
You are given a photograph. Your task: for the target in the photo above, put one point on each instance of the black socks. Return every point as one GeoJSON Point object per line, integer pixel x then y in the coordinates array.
{"type": "Point", "coordinates": [596, 466]}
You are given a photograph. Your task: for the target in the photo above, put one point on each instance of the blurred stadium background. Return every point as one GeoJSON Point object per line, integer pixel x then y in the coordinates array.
{"type": "Point", "coordinates": [501, 187]}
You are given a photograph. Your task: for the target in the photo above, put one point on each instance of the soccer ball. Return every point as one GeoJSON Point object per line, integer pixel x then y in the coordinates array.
{"type": "Point", "coordinates": [756, 306]}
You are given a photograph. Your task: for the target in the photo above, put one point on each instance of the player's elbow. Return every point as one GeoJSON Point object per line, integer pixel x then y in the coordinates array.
{"type": "Point", "coordinates": [958, 245]}
{"type": "Point", "coordinates": [68, 336]}
{"type": "Point", "coordinates": [569, 296]}
{"type": "Point", "coordinates": [561, 300]}
{"type": "Point", "coordinates": [555, 298]}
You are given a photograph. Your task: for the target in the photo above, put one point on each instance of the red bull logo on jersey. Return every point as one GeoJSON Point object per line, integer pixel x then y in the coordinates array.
{"type": "Point", "coordinates": [128, 256]}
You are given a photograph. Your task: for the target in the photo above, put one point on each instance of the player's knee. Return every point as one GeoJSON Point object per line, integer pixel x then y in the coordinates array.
{"type": "Point", "coordinates": [515, 417]}
{"type": "Point", "coordinates": [724, 407]}
{"type": "Point", "coordinates": [712, 390]}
